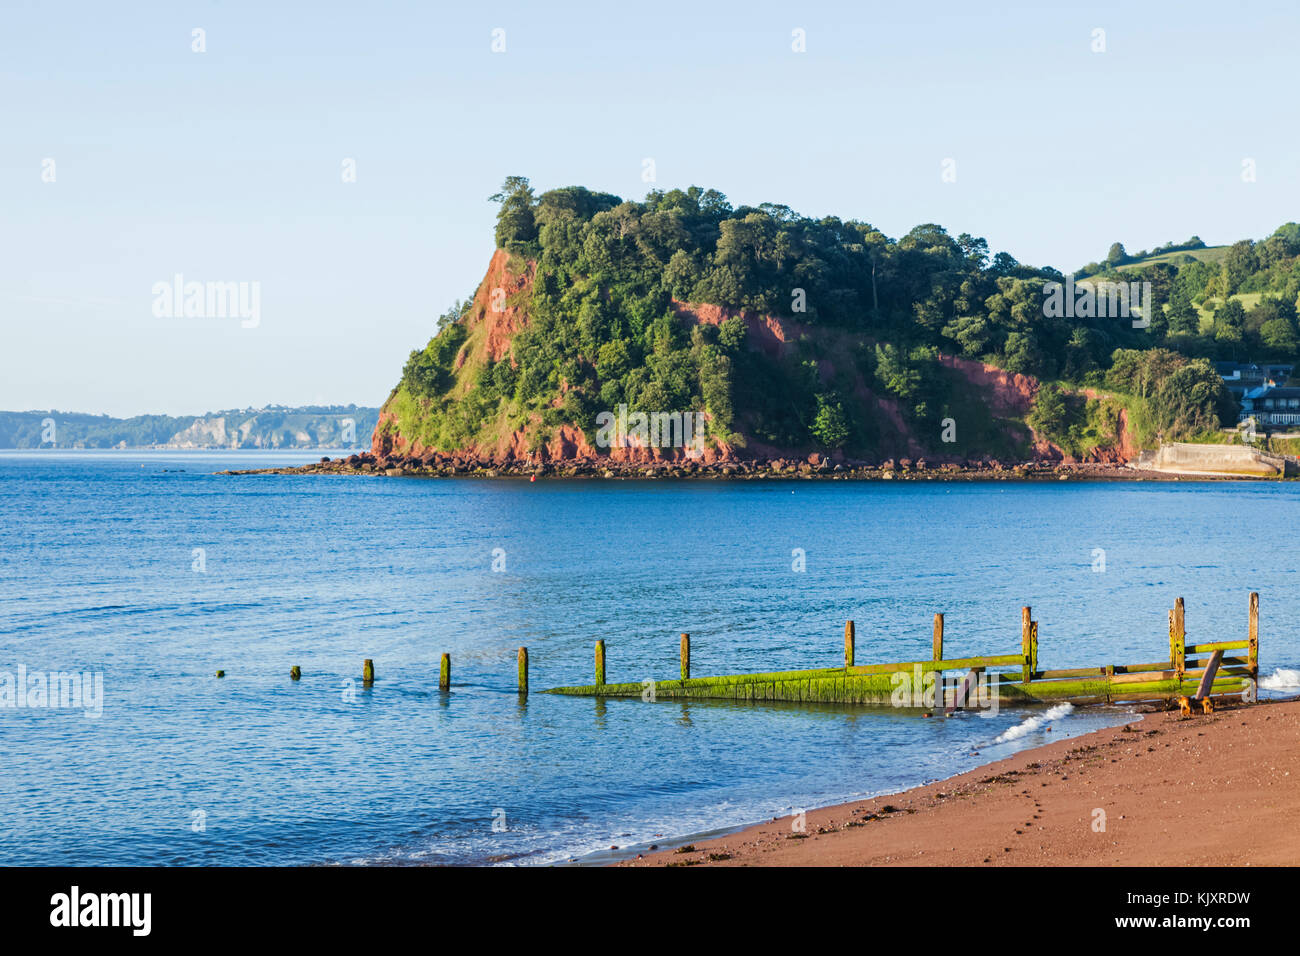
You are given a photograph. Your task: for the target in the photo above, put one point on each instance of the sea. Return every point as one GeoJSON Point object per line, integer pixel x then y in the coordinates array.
{"type": "Point", "coordinates": [143, 574]}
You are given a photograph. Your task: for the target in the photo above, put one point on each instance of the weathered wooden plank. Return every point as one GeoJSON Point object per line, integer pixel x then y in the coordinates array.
{"type": "Point", "coordinates": [1217, 646]}
{"type": "Point", "coordinates": [1069, 672]}
{"type": "Point", "coordinates": [1144, 677]}
{"type": "Point", "coordinates": [1033, 646]}
{"type": "Point", "coordinates": [1233, 661]}
{"type": "Point", "coordinates": [1253, 634]}
{"type": "Point", "coordinates": [1207, 679]}
{"type": "Point", "coordinates": [1178, 635]}
{"type": "Point", "coordinates": [1222, 672]}
{"type": "Point", "coordinates": [1138, 668]}
{"type": "Point", "coordinates": [1026, 631]}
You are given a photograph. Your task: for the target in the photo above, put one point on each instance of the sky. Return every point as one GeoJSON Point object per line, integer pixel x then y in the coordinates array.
{"type": "Point", "coordinates": [127, 157]}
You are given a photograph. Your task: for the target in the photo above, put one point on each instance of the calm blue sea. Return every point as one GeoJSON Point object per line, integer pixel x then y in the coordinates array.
{"type": "Point", "coordinates": [152, 571]}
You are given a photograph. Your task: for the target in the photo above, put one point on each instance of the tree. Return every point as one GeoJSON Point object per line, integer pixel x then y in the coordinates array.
{"type": "Point", "coordinates": [1022, 354]}
{"type": "Point", "coordinates": [1116, 256]}
{"type": "Point", "coordinates": [1191, 400]}
{"type": "Point", "coordinates": [1230, 324]}
{"type": "Point", "coordinates": [1280, 335]}
{"type": "Point", "coordinates": [732, 332]}
{"type": "Point", "coordinates": [515, 220]}
{"type": "Point", "coordinates": [1004, 264]}
{"type": "Point", "coordinates": [1289, 233]}
{"type": "Point", "coordinates": [971, 332]}
{"type": "Point", "coordinates": [830, 427]}
{"type": "Point", "coordinates": [894, 373]}
{"type": "Point", "coordinates": [1238, 264]}
{"type": "Point", "coordinates": [457, 312]}
{"type": "Point", "coordinates": [1048, 416]}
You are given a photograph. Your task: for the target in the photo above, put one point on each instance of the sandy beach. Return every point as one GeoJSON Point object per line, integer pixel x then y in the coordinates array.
{"type": "Point", "coordinates": [1162, 790]}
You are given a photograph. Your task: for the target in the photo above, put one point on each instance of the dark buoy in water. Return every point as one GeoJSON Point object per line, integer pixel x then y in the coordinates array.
{"type": "Point", "coordinates": [532, 478]}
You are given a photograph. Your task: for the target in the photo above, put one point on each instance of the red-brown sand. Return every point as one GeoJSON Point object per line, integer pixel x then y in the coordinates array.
{"type": "Point", "coordinates": [1219, 789]}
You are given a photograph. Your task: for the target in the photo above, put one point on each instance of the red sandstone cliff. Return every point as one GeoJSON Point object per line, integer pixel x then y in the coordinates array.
{"type": "Point", "coordinates": [497, 314]}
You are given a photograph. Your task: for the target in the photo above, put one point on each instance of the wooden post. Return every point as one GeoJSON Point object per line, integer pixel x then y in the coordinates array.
{"type": "Point", "coordinates": [849, 638]}
{"type": "Point", "coordinates": [1026, 635]}
{"type": "Point", "coordinates": [523, 672]}
{"type": "Point", "coordinates": [1178, 637]}
{"type": "Point", "coordinates": [444, 673]}
{"type": "Point", "coordinates": [686, 657]}
{"type": "Point", "coordinates": [221, 673]}
{"type": "Point", "coordinates": [600, 663]}
{"type": "Point", "coordinates": [1173, 641]}
{"type": "Point", "coordinates": [1033, 648]}
{"type": "Point", "coordinates": [1253, 634]}
{"type": "Point", "coordinates": [295, 672]}
{"type": "Point", "coordinates": [962, 696]}
{"type": "Point", "coordinates": [367, 671]}
{"type": "Point", "coordinates": [938, 637]}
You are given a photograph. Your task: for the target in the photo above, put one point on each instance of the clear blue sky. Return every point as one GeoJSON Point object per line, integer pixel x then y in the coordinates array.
{"type": "Point", "coordinates": [226, 165]}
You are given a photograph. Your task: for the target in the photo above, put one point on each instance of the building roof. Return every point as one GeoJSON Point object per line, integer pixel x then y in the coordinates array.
{"type": "Point", "coordinates": [1273, 391]}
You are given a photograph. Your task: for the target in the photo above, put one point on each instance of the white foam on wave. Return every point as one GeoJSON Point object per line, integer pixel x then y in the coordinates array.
{"type": "Point", "coordinates": [1284, 678]}
{"type": "Point", "coordinates": [1030, 724]}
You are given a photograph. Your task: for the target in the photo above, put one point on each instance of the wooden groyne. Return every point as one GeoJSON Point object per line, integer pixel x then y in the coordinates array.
{"type": "Point", "coordinates": [1012, 678]}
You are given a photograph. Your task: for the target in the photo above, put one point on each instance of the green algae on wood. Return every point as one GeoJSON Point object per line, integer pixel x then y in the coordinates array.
{"type": "Point", "coordinates": [839, 686]}
{"type": "Point", "coordinates": [1019, 681]}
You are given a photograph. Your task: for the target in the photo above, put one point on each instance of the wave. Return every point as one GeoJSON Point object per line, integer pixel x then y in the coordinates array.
{"type": "Point", "coordinates": [1284, 678]}
{"type": "Point", "coordinates": [1030, 724]}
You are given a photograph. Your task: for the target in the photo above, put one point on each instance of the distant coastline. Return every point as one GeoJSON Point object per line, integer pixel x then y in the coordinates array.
{"type": "Point", "coordinates": [272, 427]}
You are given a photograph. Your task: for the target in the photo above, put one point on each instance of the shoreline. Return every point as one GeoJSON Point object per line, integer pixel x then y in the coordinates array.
{"type": "Point", "coordinates": [813, 468]}
{"type": "Point", "coordinates": [635, 852]}
{"type": "Point", "coordinates": [1214, 789]}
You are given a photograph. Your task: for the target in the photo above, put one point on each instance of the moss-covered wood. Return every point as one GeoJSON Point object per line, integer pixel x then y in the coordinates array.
{"type": "Point", "coordinates": [843, 685]}
{"type": "Point", "coordinates": [1009, 678]}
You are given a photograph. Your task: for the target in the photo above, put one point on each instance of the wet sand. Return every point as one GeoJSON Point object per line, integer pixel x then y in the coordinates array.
{"type": "Point", "coordinates": [1207, 790]}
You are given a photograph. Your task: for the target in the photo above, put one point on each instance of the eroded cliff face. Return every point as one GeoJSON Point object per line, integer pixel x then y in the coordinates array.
{"type": "Point", "coordinates": [498, 314]}
{"type": "Point", "coordinates": [496, 305]}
